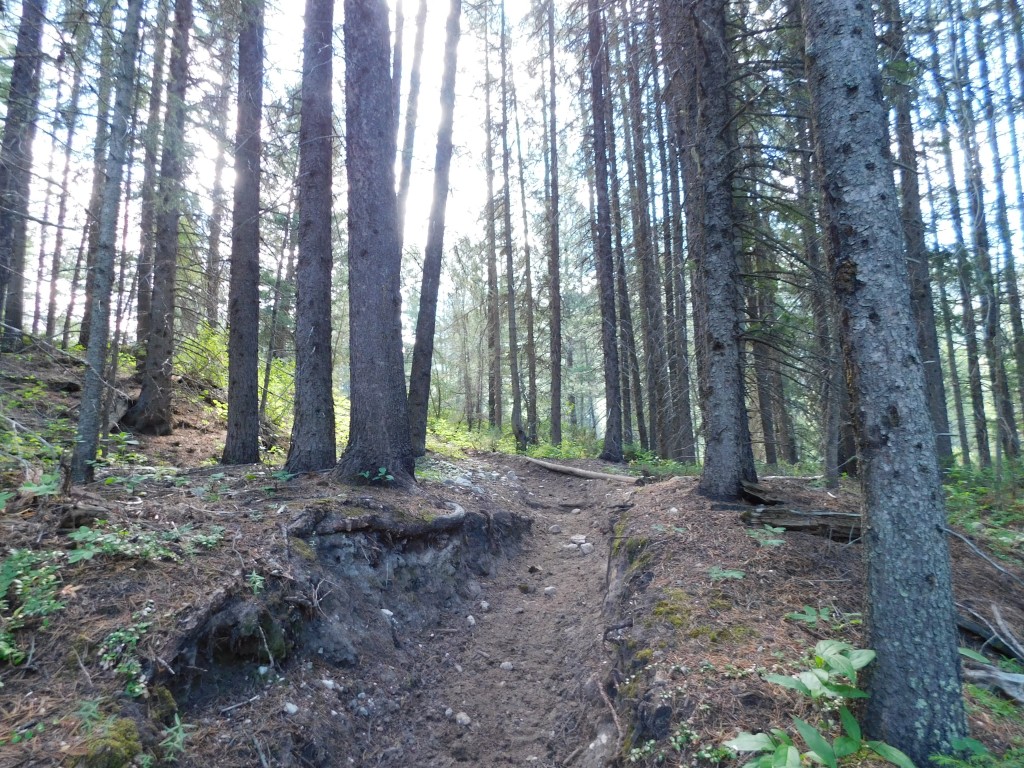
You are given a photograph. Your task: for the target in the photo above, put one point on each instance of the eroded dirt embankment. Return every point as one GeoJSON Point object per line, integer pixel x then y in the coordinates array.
{"type": "Point", "coordinates": [473, 636]}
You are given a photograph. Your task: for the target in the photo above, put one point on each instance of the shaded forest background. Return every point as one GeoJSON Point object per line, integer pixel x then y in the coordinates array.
{"type": "Point", "coordinates": [519, 289]}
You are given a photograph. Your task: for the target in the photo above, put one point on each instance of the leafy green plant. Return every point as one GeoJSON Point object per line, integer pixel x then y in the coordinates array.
{"type": "Point", "coordinates": [28, 590]}
{"type": "Point", "coordinates": [767, 536]}
{"type": "Point", "coordinates": [117, 651]}
{"type": "Point", "coordinates": [132, 542]}
{"type": "Point", "coordinates": [380, 477]}
{"type": "Point", "coordinates": [256, 582]}
{"type": "Point", "coordinates": [173, 743]}
{"type": "Point", "coordinates": [812, 617]}
{"type": "Point", "coordinates": [48, 484]}
{"type": "Point", "coordinates": [834, 661]}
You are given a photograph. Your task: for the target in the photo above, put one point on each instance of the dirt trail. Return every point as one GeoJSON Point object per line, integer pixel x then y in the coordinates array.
{"type": "Point", "coordinates": [524, 669]}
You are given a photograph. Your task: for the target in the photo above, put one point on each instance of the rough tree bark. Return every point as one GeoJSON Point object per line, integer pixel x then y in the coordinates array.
{"type": "Point", "coordinates": [152, 411]}
{"type": "Point", "coordinates": [16, 167]}
{"type": "Point", "coordinates": [707, 172]}
{"type": "Point", "coordinates": [313, 443]}
{"type": "Point", "coordinates": [915, 702]}
{"type": "Point", "coordinates": [242, 445]}
{"type": "Point", "coordinates": [379, 427]}
{"type": "Point", "coordinates": [612, 447]}
{"type": "Point", "coordinates": [88, 432]}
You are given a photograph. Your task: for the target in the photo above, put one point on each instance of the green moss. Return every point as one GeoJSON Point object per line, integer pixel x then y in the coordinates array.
{"type": "Point", "coordinates": [162, 705]}
{"type": "Point", "coordinates": [115, 747]}
{"type": "Point", "coordinates": [303, 549]}
{"type": "Point", "coordinates": [674, 609]}
{"type": "Point", "coordinates": [643, 658]}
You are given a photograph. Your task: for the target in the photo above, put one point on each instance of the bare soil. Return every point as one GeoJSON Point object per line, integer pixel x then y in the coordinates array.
{"type": "Point", "coordinates": [458, 624]}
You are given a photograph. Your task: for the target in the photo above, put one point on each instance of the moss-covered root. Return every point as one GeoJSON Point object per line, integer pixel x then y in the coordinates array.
{"type": "Point", "coordinates": [116, 746]}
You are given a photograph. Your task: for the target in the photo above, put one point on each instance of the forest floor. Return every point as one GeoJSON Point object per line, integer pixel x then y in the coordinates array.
{"type": "Point", "coordinates": [501, 614]}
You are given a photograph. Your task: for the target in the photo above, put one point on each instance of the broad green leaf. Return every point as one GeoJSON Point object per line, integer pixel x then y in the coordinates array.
{"type": "Point", "coordinates": [845, 691]}
{"type": "Point", "coordinates": [817, 743]}
{"type": "Point", "coordinates": [786, 756]}
{"type": "Point", "coordinates": [967, 653]}
{"type": "Point", "coordinates": [844, 746]}
{"type": "Point", "coordinates": [788, 682]}
{"type": "Point", "coordinates": [891, 754]}
{"type": "Point", "coordinates": [826, 648]}
{"type": "Point", "coordinates": [841, 665]}
{"type": "Point", "coordinates": [78, 555]}
{"type": "Point", "coordinates": [813, 682]}
{"type": "Point", "coordinates": [781, 737]}
{"type": "Point", "coordinates": [861, 657]}
{"type": "Point", "coordinates": [751, 742]}
{"type": "Point", "coordinates": [850, 724]}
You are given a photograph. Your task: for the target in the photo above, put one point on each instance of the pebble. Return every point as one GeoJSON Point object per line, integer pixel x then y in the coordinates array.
{"type": "Point", "coordinates": [555, 529]}
{"type": "Point", "coordinates": [520, 609]}
{"type": "Point", "coordinates": [673, 510]}
{"type": "Point", "coordinates": [485, 606]}
{"type": "Point", "coordinates": [549, 591]}
{"type": "Point", "coordinates": [578, 538]}
{"type": "Point", "coordinates": [328, 684]}
{"type": "Point", "coordinates": [570, 547]}
{"type": "Point", "coordinates": [290, 709]}
{"type": "Point", "coordinates": [449, 712]}
{"type": "Point", "coordinates": [586, 549]}
{"type": "Point", "coordinates": [386, 612]}
{"type": "Point", "coordinates": [576, 510]}
{"type": "Point", "coordinates": [507, 666]}
{"type": "Point", "coordinates": [462, 719]}
{"type": "Point", "coordinates": [471, 620]}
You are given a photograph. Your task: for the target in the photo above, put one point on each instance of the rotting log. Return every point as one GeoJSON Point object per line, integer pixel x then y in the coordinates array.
{"type": "Point", "coordinates": [842, 526]}
{"type": "Point", "coordinates": [758, 494]}
{"type": "Point", "coordinates": [586, 473]}
{"type": "Point", "coordinates": [1009, 683]}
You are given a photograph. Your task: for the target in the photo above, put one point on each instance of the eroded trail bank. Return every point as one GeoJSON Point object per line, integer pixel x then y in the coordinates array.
{"type": "Point", "coordinates": [463, 626]}
{"type": "Point", "coordinates": [517, 673]}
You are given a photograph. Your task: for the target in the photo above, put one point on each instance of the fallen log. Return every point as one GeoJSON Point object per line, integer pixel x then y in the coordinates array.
{"type": "Point", "coordinates": [841, 526]}
{"type": "Point", "coordinates": [584, 472]}
{"type": "Point", "coordinates": [1009, 683]}
{"type": "Point", "coordinates": [758, 494]}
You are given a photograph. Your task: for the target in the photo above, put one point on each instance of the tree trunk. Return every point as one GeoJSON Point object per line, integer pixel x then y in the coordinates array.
{"type": "Point", "coordinates": [977, 211]}
{"type": "Point", "coordinates": [612, 448]}
{"type": "Point", "coordinates": [411, 108]}
{"type": "Point", "coordinates": [507, 247]}
{"type": "Point", "coordinates": [243, 435]}
{"type": "Point", "coordinates": [652, 317]}
{"type": "Point", "coordinates": [707, 171]}
{"type": "Point", "coordinates": [213, 265]}
{"type": "Point", "coordinates": [88, 432]}
{"type": "Point", "coordinates": [379, 427]}
{"type": "Point", "coordinates": [913, 232]}
{"type": "Point", "coordinates": [104, 88]}
{"type": "Point", "coordinates": [152, 411]}
{"type": "Point", "coordinates": [313, 442]}
{"type": "Point", "coordinates": [494, 384]}
{"type": "Point", "coordinates": [16, 168]}
{"type": "Point", "coordinates": [147, 195]}
{"type": "Point", "coordinates": [915, 683]}
{"type": "Point", "coordinates": [531, 342]}
{"type": "Point", "coordinates": [554, 244]}
{"type": "Point", "coordinates": [423, 349]}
